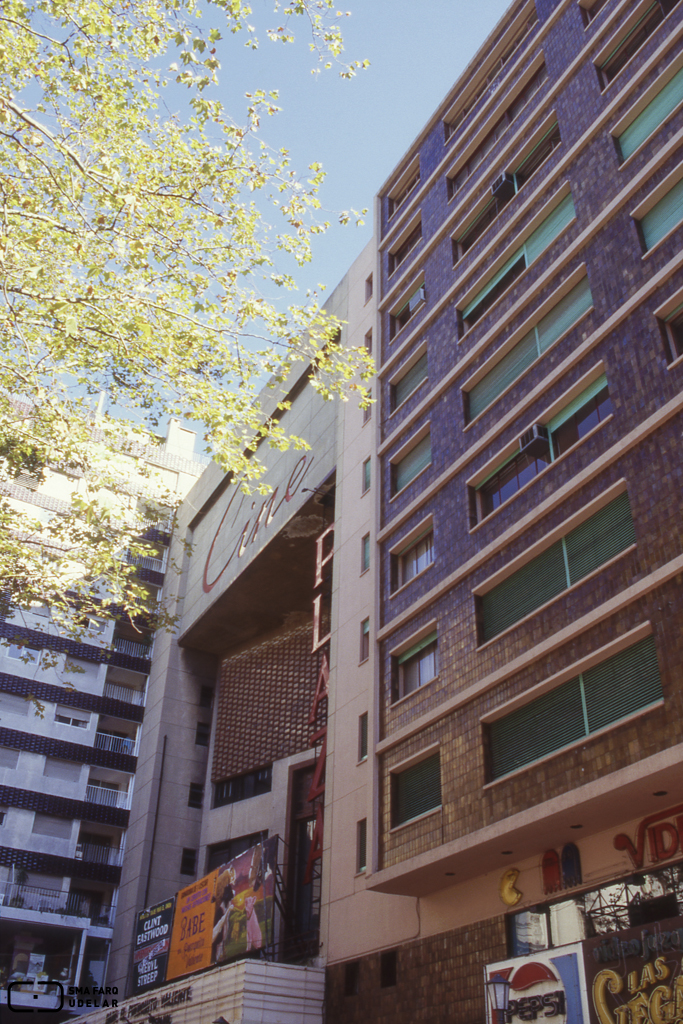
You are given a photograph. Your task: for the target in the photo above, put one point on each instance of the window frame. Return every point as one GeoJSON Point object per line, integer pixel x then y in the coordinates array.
{"type": "Point", "coordinates": [361, 846]}
{"type": "Point", "coordinates": [399, 772]}
{"type": "Point", "coordinates": [399, 193]}
{"type": "Point", "coordinates": [408, 241]}
{"type": "Point", "coordinates": [364, 650]}
{"type": "Point", "coordinates": [403, 314]}
{"type": "Point", "coordinates": [362, 737]}
{"type": "Point", "coordinates": [625, 32]}
{"type": "Point", "coordinates": [366, 479]}
{"type": "Point", "coordinates": [424, 650]}
{"type": "Point", "coordinates": [364, 553]}
{"type": "Point", "coordinates": [195, 795]}
{"type": "Point", "coordinates": [188, 861]}
{"type": "Point", "coordinates": [397, 485]}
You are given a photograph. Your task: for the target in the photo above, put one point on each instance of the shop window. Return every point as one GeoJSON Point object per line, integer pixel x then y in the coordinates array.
{"type": "Point", "coordinates": [416, 667]}
{"type": "Point", "coordinates": [599, 697]}
{"type": "Point", "coordinates": [669, 97]}
{"type": "Point", "coordinates": [398, 198]}
{"type": "Point", "coordinates": [514, 363]}
{"type": "Point", "coordinates": [363, 736]}
{"type": "Point", "coordinates": [361, 845]}
{"type": "Point", "coordinates": [413, 560]}
{"type": "Point", "coordinates": [537, 242]}
{"type": "Point", "coordinates": [663, 217]}
{"type": "Point", "coordinates": [416, 790]}
{"type": "Point", "coordinates": [243, 787]}
{"type": "Point", "coordinates": [364, 640]}
{"type": "Point", "coordinates": [407, 311]}
{"type": "Point", "coordinates": [188, 861]}
{"type": "Point", "coordinates": [402, 251]}
{"type": "Point", "coordinates": [610, 66]}
{"type": "Point", "coordinates": [195, 796]}
{"type": "Point", "coordinates": [202, 734]}
{"type": "Point", "coordinates": [365, 553]}
{"type": "Point", "coordinates": [388, 962]}
{"type": "Point", "coordinates": [563, 431]}
{"type": "Point", "coordinates": [590, 545]}
{"type": "Point", "coordinates": [411, 465]}
{"type": "Point", "coordinates": [409, 382]}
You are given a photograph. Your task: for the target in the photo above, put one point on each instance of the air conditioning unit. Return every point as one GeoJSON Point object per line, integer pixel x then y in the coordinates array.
{"type": "Point", "coordinates": [79, 853]}
{"type": "Point", "coordinates": [534, 441]}
{"type": "Point", "coordinates": [417, 298]}
{"type": "Point", "coordinates": [503, 187]}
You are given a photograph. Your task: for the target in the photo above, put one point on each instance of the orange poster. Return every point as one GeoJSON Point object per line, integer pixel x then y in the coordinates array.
{"type": "Point", "coordinates": [192, 928]}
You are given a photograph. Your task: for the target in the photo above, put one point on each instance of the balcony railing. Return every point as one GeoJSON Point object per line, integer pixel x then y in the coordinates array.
{"type": "Point", "coordinates": [107, 797]}
{"type": "Point", "coordinates": [145, 562]}
{"type": "Point", "coordinates": [132, 647]}
{"type": "Point", "coordinates": [50, 901]}
{"type": "Point", "coordinates": [117, 744]}
{"type": "Point", "coordinates": [93, 853]}
{"type": "Point", "coordinates": [125, 693]}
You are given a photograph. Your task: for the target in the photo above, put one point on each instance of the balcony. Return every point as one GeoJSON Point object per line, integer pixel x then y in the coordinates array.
{"type": "Point", "coordinates": [93, 853]}
{"type": "Point", "coordinates": [124, 693]}
{"type": "Point", "coordinates": [51, 901]}
{"type": "Point", "coordinates": [107, 797]}
{"type": "Point", "coordinates": [132, 647]}
{"type": "Point", "coordinates": [145, 562]}
{"type": "Point", "coordinates": [116, 744]}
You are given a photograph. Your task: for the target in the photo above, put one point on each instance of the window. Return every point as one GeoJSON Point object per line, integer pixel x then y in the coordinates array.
{"type": "Point", "coordinates": [363, 736]}
{"type": "Point", "coordinates": [367, 411]}
{"type": "Point", "coordinates": [398, 256]}
{"type": "Point", "coordinates": [202, 734]}
{"type": "Point", "coordinates": [491, 75]}
{"type": "Point", "coordinates": [417, 666]}
{"type": "Point", "coordinates": [600, 696]}
{"type": "Point", "coordinates": [564, 430]}
{"type": "Point", "coordinates": [351, 976]}
{"type": "Point", "coordinates": [413, 560]}
{"type": "Point", "coordinates": [406, 312]}
{"type": "Point", "coordinates": [243, 787]}
{"type": "Point", "coordinates": [513, 364]}
{"type": "Point", "coordinates": [610, 66]}
{"type": "Point", "coordinates": [368, 341]}
{"type": "Point", "coordinates": [361, 845]}
{"type": "Point", "coordinates": [663, 216]}
{"type": "Point", "coordinates": [13, 704]}
{"type": "Point", "coordinates": [416, 790]}
{"type": "Point", "coordinates": [409, 382]}
{"type": "Point", "coordinates": [8, 758]}
{"type": "Point", "coordinates": [648, 120]}
{"type": "Point", "coordinates": [3, 815]}
{"type": "Point", "coordinates": [195, 796]}
{"type": "Point", "coordinates": [594, 542]}
{"type": "Point", "coordinates": [673, 329]}
{"type": "Point", "coordinates": [366, 475]}
{"type": "Point", "coordinates": [205, 697]}
{"type": "Point", "coordinates": [20, 652]}
{"type": "Point", "coordinates": [368, 288]}
{"type": "Point", "coordinates": [221, 853]}
{"type": "Point", "coordinates": [188, 861]}
{"type": "Point", "coordinates": [501, 126]}
{"type": "Point", "coordinates": [365, 553]}
{"type": "Point", "coordinates": [537, 156]}
{"type": "Point", "coordinates": [68, 716]}
{"type": "Point", "coordinates": [48, 825]}
{"type": "Point", "coordinates": [365, 640]}
{"type": "Point", "coordinates": [399, 197]}
{"type": "Point", "coordinates": [388, 968]}
{"type": "Point", "coordinates": [590, 12]}
{"type": "Point", "coordinates": [66, 771]}
{"type": "Point", "coordinates": [411, 465]}
{"type": "Point", "coordinates": [537, 242]}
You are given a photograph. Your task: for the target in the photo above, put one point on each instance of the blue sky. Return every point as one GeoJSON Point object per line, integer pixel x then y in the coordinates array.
{"type": "Point", "coordinates": [357, 129]}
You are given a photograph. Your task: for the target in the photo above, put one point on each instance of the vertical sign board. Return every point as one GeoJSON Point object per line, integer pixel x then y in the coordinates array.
{"type": "Point", "coordinates": [545, 986]}
{"type": "Point", "coordinates": [244, 903]}
{"type": "Point", "coordinates": [635, 976]}
{"type": "Point", "coordinates": [152, 944]}
{"type": "Point", "coordinates": [192, 933]}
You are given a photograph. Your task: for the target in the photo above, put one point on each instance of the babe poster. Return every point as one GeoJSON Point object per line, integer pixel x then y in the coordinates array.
{"type": "Point", "coordinates": [244, 903]}
{"type": "Point", "coordinates": [192, 928]}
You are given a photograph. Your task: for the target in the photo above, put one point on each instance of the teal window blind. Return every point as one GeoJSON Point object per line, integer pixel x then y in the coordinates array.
{"type": "Point", "coordinates": [601, 696]}
{"type": "Point", "coordinates": [416, 790]}
{"type": "Point", "coordinates": [577, 403]}
{"type": "Point", "coordinates": [536, 243]}
{"type": "Point", "coordinates": [558, 320]}
{"type": "Point", "coordinates": [411, 464]}
{"type": "Point", "coordinates": [410, 380]}
{"type": "Point", "coordinates": [560, 566]}
{"type": "Point", "coordinates": [663, 216]}
{"type": "Point", "coordinates": [657, 110]}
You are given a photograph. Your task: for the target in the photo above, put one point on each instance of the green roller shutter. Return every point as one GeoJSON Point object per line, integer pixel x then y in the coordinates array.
{"type": "Point", "coordinates": [416, 648]}
{"type": "Point", "coordinates": [546, 724]}
{"type": "Point", "coordinates": [664, 216]}
{"type": "Point", "coordinates": [407, 384]}
{"type": "Point", "coordinates": [531, 586]}
{"type": "Point", "coordinates": [561, 317]}
{"type": "Point", "coordinates": [652, 116]}
{"type": "Point", "coordinates": [623, 684]}
{"type": "Point", "coordinates": [413, 463]}
{"type": "Point", "coordinates": [578, 403]}
{"type": "Point", "coordinates": [600, 538]}
{"type": "Point", "coordinates": [491, 284]}
{"type": "Point", "coordinates": [548, 231]}
{"type": "Point", "coordinates": [417, 789]}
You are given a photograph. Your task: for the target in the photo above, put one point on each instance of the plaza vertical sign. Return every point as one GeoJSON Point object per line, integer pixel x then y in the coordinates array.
{"type": "Point", "coordinates": [152, 945]}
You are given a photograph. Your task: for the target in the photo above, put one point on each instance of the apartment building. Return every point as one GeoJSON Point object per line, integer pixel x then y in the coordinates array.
{"type": "Point", "coordinates": [518, 849]}
{"type": "Point", "coordinates": [67, 774]}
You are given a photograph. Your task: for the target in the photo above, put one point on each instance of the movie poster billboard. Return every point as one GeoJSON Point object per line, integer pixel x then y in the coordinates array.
{"type": "Point", "coordinates": [244, 907]}
{"type": "Point", "coordinates": [636, 975]}
{"type": "Point", "coordinates": [192, 928]}
{"type": "Point", "coordinates": [546, 986]}
{"type": "Point", "coordinates": [152, 945]}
